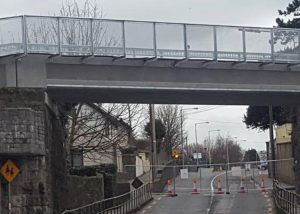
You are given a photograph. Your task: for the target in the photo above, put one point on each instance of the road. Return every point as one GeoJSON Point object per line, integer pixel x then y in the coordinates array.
{"type": "Point", "coordinates": [185, 202]}
{"type": "Point", "coordinates": [253, 201]}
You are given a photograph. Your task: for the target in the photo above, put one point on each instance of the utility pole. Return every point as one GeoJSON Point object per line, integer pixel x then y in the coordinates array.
{"type": "Point", "coordinates": [153, 138]}
{"type": "Point", "coordinates": [187, 148]}
{"type": "Point", "coordinates": [268, 158]}
{"type": "Point", "coordinates": [181, 135]}
{"type": "Point", "coordinates": [272, 141]}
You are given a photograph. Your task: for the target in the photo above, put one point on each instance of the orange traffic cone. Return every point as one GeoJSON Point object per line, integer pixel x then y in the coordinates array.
{"type": "Point", "coordinates": [195, 190]}
{"type": "Point", "coordinates": [242, 188]}
{"type": "Point", "coordinates": [219, 191]}
{"type": "Point", "coordinates": [262, 185]}
{"type": "Point", "coordinates": [170, 192]}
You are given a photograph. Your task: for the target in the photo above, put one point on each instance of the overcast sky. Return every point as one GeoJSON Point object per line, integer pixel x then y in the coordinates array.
{"type": "Point", "coordinates": [224, 12]}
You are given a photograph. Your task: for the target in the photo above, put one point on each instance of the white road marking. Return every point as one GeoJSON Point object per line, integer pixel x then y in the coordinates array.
{"type": "Point", "coordinates": [159, 198]}
{"type": "Point", "coordinates": [144, 211]}
{"type": "Point", "coordinates": [212, 182]}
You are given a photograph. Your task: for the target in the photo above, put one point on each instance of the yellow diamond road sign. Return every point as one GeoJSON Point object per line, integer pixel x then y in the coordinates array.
{"type": "Point", "coordinates": [9, 171]}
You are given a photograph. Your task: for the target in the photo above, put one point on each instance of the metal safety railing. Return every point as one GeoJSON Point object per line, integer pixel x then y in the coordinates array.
{"type": "Point", "coordinates": [117, 205]}
{"type": "Point", "coordinates": [136, 39]}
{"type": "Point", "coordinates": [287, 201]}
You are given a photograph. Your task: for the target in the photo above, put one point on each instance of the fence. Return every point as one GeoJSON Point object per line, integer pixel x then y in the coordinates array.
{"type": "Point", "coordinates": [122, 204]}
{"type": "Point", "coordinates": [248, 177]}
{"type": "Point", "coordinates": [134, 39]}
{"type": "Point", "coordinates": [287, 201]}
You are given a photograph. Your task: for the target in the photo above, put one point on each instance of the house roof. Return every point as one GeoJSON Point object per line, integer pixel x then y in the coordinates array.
{"type": "Point", "coordinates": [109, 116]}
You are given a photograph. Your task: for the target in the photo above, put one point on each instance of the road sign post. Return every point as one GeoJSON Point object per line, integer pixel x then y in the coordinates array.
{"type": "Point", "coordinates": [197, 156]}
{"type": "Point", "coordinates": [9, 201]}
{"type": "Point", "coordinates": [9, 171]}
{"type": "Point", "coordinates": [200, 178]}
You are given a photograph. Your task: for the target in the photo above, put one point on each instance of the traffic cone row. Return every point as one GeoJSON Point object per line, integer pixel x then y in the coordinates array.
{"type": "Point", "coordinates": [171, 193]}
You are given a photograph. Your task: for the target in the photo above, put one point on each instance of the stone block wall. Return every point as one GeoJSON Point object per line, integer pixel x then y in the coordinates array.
{"type": "Point", "coordinates": [83, 190]}
{"type": "Point", "coordinates": [22, 132]}
{"type": "Point", "coordinates": [33, 137]}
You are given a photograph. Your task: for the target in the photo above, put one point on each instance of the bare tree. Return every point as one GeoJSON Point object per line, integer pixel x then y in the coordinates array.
{"type": "Point", "coordinates": [170, 117]}
{"type": "Point", "coordinates": [196, 148]}
{"type": "Point", "coordinates": [219, 150]}
{"type": "Point", "coordinates": [77, 36]}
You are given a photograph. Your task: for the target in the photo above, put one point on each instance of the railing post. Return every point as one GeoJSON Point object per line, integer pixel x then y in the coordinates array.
{"type": "Point", "coordinates": [215, 43]}
{"type": "Point", "coordinates": [154, 40]}
{"type": "Point", "coordinates": [186, 54]}
{"type": "Point", "coordinates": [123, 38]}
{"type": "Point", "coordinates": [272, 45]}
{"type": "Point", "coordinates": [24, 34]}
{"type": "Point", "coordinates": [91, 36]}
{"type": "Point", "coordinates": [244, 44]}
{"type": "Point", "coordinates": [58, 36]}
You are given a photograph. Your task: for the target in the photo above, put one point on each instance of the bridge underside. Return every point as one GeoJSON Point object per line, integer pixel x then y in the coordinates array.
{"type": "Point", "coordinates": [201, 97]}
{"type": "Point", "coordinates": [171, 81]}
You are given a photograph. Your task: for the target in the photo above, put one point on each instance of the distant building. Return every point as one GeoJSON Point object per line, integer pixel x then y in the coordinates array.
{"type": "Point", "coordinates": [262, 155]}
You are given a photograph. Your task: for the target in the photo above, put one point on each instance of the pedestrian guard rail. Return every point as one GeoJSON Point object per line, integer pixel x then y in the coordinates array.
{"type": "Point", "coordinates": [74, 36]}
{"type": "Point", "coordinates": [286, 200]}
{"type": "Point", "coordinates": [122, 204]}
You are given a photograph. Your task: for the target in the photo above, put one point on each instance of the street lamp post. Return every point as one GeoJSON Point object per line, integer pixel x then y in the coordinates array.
{"type": "Point", "coordinates": [227, 168]}
{"type": "Point", "coordinates": [200, 176]}
{"type": "Point", "coordinates": [181, 127]}
{"type": "Point", "coordinates": [196, 137]}
{"type": "Point", "coordinates": [209, 156]}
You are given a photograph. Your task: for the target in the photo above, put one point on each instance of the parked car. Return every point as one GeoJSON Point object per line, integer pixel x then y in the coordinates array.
{"type": "Point", "coordinates": [262, 166]}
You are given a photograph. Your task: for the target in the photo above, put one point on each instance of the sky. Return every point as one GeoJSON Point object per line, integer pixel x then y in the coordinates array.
{"type": "Point", "coordinates": [259, 13]}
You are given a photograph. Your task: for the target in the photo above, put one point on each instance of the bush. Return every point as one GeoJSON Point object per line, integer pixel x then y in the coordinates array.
{"type": "Point", "coordinates": [94, 170]}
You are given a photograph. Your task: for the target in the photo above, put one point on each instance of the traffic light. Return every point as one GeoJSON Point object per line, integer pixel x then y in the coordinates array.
{"type": "Point", "coordinates": [176, 154]}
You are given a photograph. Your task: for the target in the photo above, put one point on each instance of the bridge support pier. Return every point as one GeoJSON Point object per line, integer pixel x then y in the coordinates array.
{"type": "Point", "coordinates": [32, 136]}
{"type": "Point", "coordinates": [296, 145]}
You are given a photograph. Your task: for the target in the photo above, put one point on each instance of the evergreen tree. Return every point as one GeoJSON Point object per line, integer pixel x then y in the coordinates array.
{"type": "Point", "coordinates": [257, 117]}
{"type": "Point", "coordinates": [160, 132]}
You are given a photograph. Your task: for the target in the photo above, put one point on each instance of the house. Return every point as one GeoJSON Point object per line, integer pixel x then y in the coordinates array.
{"type": "Point", "coordinates": [284, 167]}
{"type": "Point", "coordinates": [143, 157]}
{"type": "Point", "coordinates": [99, 138]}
